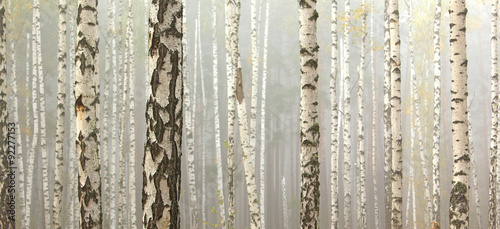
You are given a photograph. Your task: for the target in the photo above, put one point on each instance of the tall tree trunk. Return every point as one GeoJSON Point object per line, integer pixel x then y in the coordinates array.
{"type": "Point", "coordinates": [61, 97]}
{"type": "Point", "coordinates": [87, 123]}
{"type": "Point", "coordinates": [131, 75]}
{"type": "Point", "coordinates": [459, 196]}
{"type": "Point", "coordinates": [231, 94]}
{"type": "Point", "coordinates": [255, 80]}
{"type": "Point", "coordinates": [309, 126]}
{"type": "Point", "coordinates": [22, 154]}
{"type": "Point", "coordinates": [347, 121]}
{"type": "Point", "coordinates": [5, 222]}
{"type": "Point", "coordinates": [335, 120]}
{"type": "Point", "coordinates": [361, 130]}
{"type": "Point", "coordinates": [114, 120]}
{"type": "Point", "coordinates": [411, 181]}
{"type": "Point", "coordinates": [397, 151]}
{"type": "Point", "coordinates": [494, 117]}
{"type": "Point", "coordinates": [374, 119]}
{"type": "Point", "coordinates": [436, 131]}
{"type": "Point", "coordinates": [263, 122]}
{"type": "Point", "coordinates": [218, 152]}
{"type": "Point", "coordinates": [474, 171]}
{"type": "Point", "coordinates": [162, 157]}
{"type": "Point", "coordinates": [233, 8]}
{"type": "Point", "coordinates": [43, 143]}
{"type": "Point", "coordinates": [387, 120]}
{"type": "Point", "coordinates": [283, 196]}
{"type": "Point", "coordinates": [122, 199]}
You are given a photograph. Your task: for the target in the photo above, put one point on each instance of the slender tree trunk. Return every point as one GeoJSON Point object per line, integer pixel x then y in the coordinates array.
{"type": "Point", "coordinates": [231, 93]}
{"type": "Point", "coordinates": [61, 97]}
{"type": "Point", "coordinates": [474, 172]}
{"type": "Point", "coordinates": [361, 130]}
{"type": "Point", "coordinates": [122, 199]}
{"type": "Point", "coordinates": [263, 122]}
{"type": "Point", "coordinates": [309, 126]}
{"type": "Point", "coordinates": [218, 152]}
{"type": "Point", "coordinates": [347, 120]}
{"type": "Point", "coordinates": [233, 8]}
{"type": "Point", "coordinates": [284, 199]}
{"type": "Point", "coordinates": [459, 196]}
{"type": "Point", "coordinates": [494, 117]}
{"type": "Point", "coordinates": [255, 80]}
{"type": "Point", "coordinates": [374, 119]}
{"type": "Point", "coordinates": [414, 204]}
{"type": "Point", "coordinates": [5, 222]}
{"type": "Point", "coordinates": [335, 120]}
{"type": "Point", "coordinates": [436, 131]}
{"type": "Point", "coordinates": [114, 120]}
{"type": "Point", "coordinates": [21, 153]}
{"type": "Point", "coordinates": [387, 120]}
{"type": "Point", "coordinates": [162, 162]}
{"type": "Point", "coordinates": [411, 180]}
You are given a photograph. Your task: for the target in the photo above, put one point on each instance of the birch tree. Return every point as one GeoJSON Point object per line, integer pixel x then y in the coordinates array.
{"type": "Point", "coordinates": [360, 132]}
{"type": "Point", "coordinates": [220, 181]}
{"type": "Point", "coordinates": [459, 196]}
{"type": "Point", "coordinates": [374, 120]}
{"type": "Point", "coordinates": [387, 120]}
{"type": "Point", "coordinates": [494, 116]}
{"type": "Point", "coordinates": [162, 154]}
{"type": "Point", "coordinates": [114, 119]}
{"type": "Point", "coordinates": [255, 79]}
{"type": "Point", "coordinates": [335, 119]}
{"type": "Point", "coordinates": [122, 201]}
{"type": "Point", "coordinates": [347, 120]}
{"type": "Point", "coordinates": [309, 126]}
{"type": "Point", "coordinates": [61, 97]}
{"type": "Point", "coordinates": [285, 203]}
{"type": "Point", "coordinates": [233, 12]}
{"type": "Point", "coordinates": [474, 171]}
{"type": "Point", "coordinates": [436, 131]}
{"type": "Point", "coordinates": [4, 165]}
{"type": "Point", "coordinates": [74, 219]}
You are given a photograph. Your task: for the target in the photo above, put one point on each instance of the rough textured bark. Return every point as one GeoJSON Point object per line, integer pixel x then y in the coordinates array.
{"type": "Point", "coordinates": [396, 141]}
{"type": "Point", "coordinates": [347, 121]}
{"type": "Point", "coordinates": [162, 157]}
{"type": "Point", "coordinates": [43, 142]}
{"type": "Point", "coordinates": [233, 8]}
{"type": "Point", "coordinates": [263, 122]}
{"type": "Point", "coordinates": [387, 119]}
{"type": "Point", "coordinates": [335, 119]}
{"type": "Point", "coordinates": [360, 126]}
{"type": "Point", "coordinates": [436, 131]}
{"type": "Point", "coordinates": [309, 125]}
{"type": "Point", "coordinates": [218, 152]}
{"type": "Point", "coordinates": [459, 196]}
{"type": "Point", "coordinates": [87, 122]}
{"type": "Point", "coordinates": [131, 75]}
{"type": "Point", "coordinates": [61, 98]}
{"type": "Point", "coordinates": [285, 201]}
{"type": "Point", "coordinates": [5, 222]}
{"type": "Point", "coordinates": [474, 172]}
{"type": "Point", "coordinates": [492, 216]}
{"type": "Point", "coordinates": [374, 120]}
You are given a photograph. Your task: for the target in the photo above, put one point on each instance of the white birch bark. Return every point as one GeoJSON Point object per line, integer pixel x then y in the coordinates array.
{"type": "Point", "coordinates": [474, 171]}
{"type": "Point", "coordinates": [218, 152]}
{"type": "Point", "coordinates": [263, 122]}
{"type": "Point", "coordinates": [374, 119]}
{"type": "Point", "coordinates": [284, 199]}
{"type": "Point", "coordinates": [61, 97]}
{"type": "Point", "coordinates": [347, 120]}
{"type": "Point", "coordinates": [255, 80]}
{"type": "Point", "coordinates": [87, 122]}
{"type": "Point", "coordinates": [492, 204]}
{"type": "Point", "coordinates": [131, 76]}
{"type": "Point", "coordinates": [459, 196]}
{"type": "Point", "coordinates": [410, 179]}
{"type": "Point", "coordinates": [114, 120]}
{"type": "Point", "coordinates": [163, 147]}
{"type": "Point", "coordinates": [43, 141]}
{"type": "Point", "coordinates": [335, 119]}
{"type": "Point", "coordinates": [233, 10]}
{"type": "Point", "coordinates": [122, 199]}
{"type": "Point", "coordinates": [4, 161]}
{"type": "Point", "coordinates": [361, 157]}
{"type": "Point", "coordinates": [436, 131]}
{"type": "Point", "coordinates": [414, 204]}
{"type": "Point", "coordinates": [387, 120]}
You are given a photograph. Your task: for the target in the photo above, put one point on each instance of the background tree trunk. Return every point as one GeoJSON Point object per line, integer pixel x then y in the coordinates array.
{"type": "Point", "coordinates": [387, 120]}
{"type": "Point", "coordinates": [361, 130]}
{"type": "Point", "coordinates": [347, 120]}
{"type": "Point", "coordinates": [335, 119]}
{"type": "Point", "coordinates": [436, 131]}
{"type": "Point", "coordinates": [494, 117]}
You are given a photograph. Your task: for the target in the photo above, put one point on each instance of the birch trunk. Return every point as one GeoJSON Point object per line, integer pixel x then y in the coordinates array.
{"type": "Point", "coordinates": [122, 199]}
{"type": "Point", "coordinates": [43, 142]}
{"type": "Point", "coordinates": [61, 97]}
{"type": "Point", "coordinates": [263, 122]}
{"type": "Point", "coordinates": [87, 123]}
{"type": "Point", "coordinates": [255, 80]}
{"type": "Point", "coordinates": [361, 130]}
{"type": "Point", "coordinates": [387, 120]}
{"type": "Point", "coordinates": [218, 152]}
{"type": "Point", "coordinates": [309, 126]}
{"type": "Point", "coordinates": [494, 117]}
{"type": "Point", "coordinates": [233, 8]}
{"type": "Point", "coordinates": [231, 94]}
{"type": "Point", "coordinates": [374, 119]}
{"type": "Point", "coordinates": [418, 125]}
{"type": "Point", "coordinates": [474, 172]}
{"type": "Point", "coordinates": [459, 196]}
{"type": "Point", "coordinates": [132, 152]}
{"type": "Point", "coordinates": [5, 222]}
{"type": "Point", "coordinates": [283, 195]}
{"type": "Point", "coordinates": [114, 119]}
{"type": "Point", "coordinates": [335, 119]}
{"type": "Point", "coordinates": [411, 180]}
{"type": "Point", "coordinates": [20, 158]}
{"type": "Point", "coordinates": [414, 205]}
{"type": "Point", "coordinates": [347, 121]}
{"type": "Point", "coordinates": [436, 131]}
{"type": "Point", "coordinates": [162, 162]}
